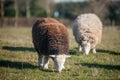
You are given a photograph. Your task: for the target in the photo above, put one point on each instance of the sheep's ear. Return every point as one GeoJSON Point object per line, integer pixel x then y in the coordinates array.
{"type": "Point", "coordinates": [67, 56]}
{"type": "Point", "coordinates": [52, 56]}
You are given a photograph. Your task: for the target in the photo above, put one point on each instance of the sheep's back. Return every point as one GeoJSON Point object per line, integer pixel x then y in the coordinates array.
{"type": "Point", "coordinates": [50, 37]}
{"type": "Point", "coordinates": [89, 21]}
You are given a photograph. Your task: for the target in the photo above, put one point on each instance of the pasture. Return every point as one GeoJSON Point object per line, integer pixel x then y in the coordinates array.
{"type": "Point", "coordinates": [18, 59]}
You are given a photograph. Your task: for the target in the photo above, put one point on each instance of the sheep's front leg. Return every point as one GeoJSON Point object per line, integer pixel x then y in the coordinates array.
{"type": "Point", "coordinates": [46, 62]}
{"type": "Point", "coordinates": [40, 58]}
{"type": "Point", "coordinates": [94, 50]}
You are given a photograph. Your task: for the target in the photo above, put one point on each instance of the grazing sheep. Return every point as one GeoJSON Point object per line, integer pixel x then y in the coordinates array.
{"type": "Point", "coordinates": [87, 29]}
{"type": "Point", "coordinates": [50, 39]}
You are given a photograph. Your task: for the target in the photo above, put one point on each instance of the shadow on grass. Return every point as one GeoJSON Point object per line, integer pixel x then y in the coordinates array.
{"type": "Point", "coordinates": [108, 51]}
{"type": "Point", "coordinates": [95, 65]}
{"type": "Point", "coordinates": [11, 48]}
{"type": "Point", "coordinates": [75, 51]}
{"type": "Point", "coordinates": [21, 65]}
{"type": "Point", "coordinates": [16, 65]}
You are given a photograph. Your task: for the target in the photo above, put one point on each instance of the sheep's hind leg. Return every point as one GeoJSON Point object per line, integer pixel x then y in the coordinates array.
{"type": "Point", "coordinates": [94, 50]}
{"type": "Point", "coordinates": [46, 62]}
{"type": "Point", "coordinates": [40, 58]}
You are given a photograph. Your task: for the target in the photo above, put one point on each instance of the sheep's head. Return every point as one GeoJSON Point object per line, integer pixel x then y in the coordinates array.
{"type": "Point", "coordinates": [86, 46]}
{"type": "Point", "coordinates": [87, 42]}
{"type": "Point", "coordinates": [59, 61]}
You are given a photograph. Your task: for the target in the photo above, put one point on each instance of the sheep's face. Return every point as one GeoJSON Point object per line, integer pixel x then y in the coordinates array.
{"type": "Point", "coordinates": [59, 61]}
{"type": "Point", "coordinates": [86, 46]}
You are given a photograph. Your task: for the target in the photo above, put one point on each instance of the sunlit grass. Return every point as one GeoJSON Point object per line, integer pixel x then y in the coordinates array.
{"type": "Point", "coordinates": [18, 59]}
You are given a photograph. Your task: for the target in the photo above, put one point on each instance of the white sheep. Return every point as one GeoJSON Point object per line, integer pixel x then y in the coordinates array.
{"type": "Point", "coordinates": [87, 29]}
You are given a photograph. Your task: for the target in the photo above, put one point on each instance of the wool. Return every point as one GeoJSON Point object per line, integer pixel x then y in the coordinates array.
{"type": "Point", "coordinates": [50, 37]}
{"type": "Point", "coordinates": [87, 27]}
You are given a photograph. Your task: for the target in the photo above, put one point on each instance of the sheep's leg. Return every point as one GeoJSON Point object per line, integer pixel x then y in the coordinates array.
{"type": "Point", "coordinates": [94, 50]}
{"type": "Point", "coordinates": [40, 58]}
{"type": "Point", "coordinates": [80, 48]}
{"type": "Point", "coordinates": [46, 62]}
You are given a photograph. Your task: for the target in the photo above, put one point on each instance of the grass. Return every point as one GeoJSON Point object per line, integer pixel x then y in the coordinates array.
{"type": "Point", "coordinates": [18, 59]}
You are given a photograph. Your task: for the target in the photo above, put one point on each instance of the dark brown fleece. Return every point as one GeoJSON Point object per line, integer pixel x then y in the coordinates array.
{"type": "Point", "coordinates": [50, 37]}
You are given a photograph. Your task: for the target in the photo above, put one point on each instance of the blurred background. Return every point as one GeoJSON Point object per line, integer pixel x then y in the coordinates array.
{"type": "Point", "coordinates": [24, 12]}
{"type": "Point", "coordinates": [18, 58]}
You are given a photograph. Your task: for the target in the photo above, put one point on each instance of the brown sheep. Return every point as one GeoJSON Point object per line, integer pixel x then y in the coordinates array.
{"type": "Point", "coordinates": [50, 39]}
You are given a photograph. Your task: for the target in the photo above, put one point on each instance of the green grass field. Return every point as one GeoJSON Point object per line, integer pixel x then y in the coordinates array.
{"type": "Point", "coordinates": [18, 59]}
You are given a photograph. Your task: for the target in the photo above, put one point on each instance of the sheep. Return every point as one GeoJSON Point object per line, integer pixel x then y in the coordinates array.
{"type": "Point", "coordinates": [50, 39]}
{"type": "Point", "coordinates": [87, 30]}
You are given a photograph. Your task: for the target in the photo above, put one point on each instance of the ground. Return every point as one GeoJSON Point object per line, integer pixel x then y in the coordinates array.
{"type": "Point", "coordinates": [18, 58]}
